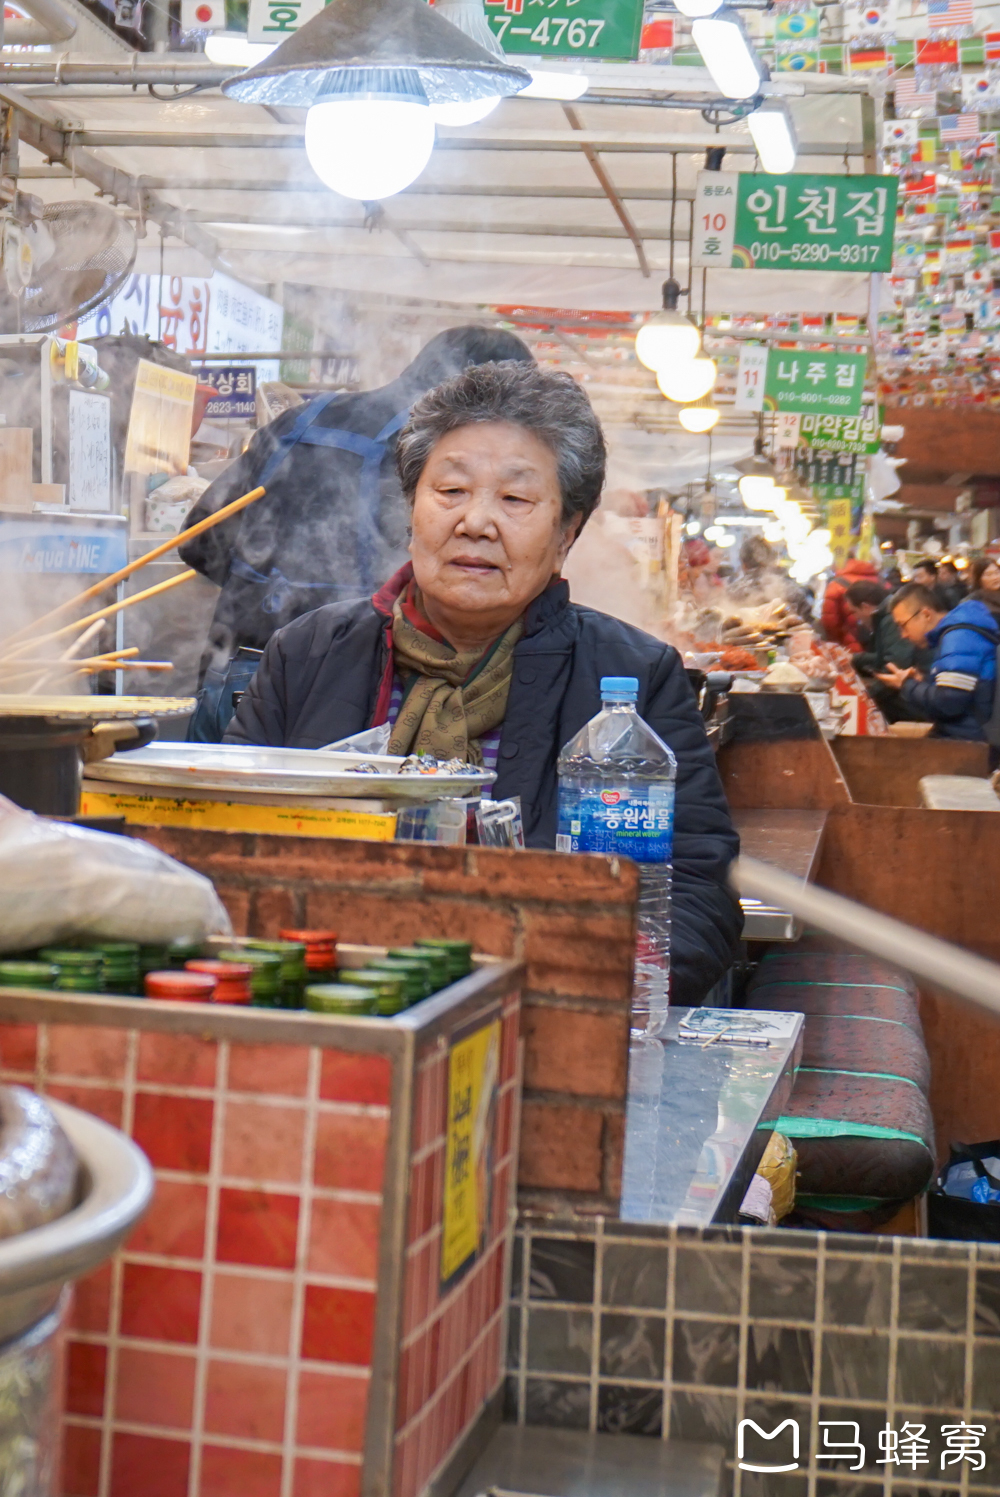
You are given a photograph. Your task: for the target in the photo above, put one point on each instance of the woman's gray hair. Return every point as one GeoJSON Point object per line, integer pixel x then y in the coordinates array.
{"type": "Point", "coordinates": [545, 402]}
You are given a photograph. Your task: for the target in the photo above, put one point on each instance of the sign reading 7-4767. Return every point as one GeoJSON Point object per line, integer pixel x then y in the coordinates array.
{"type": "Point", "coordinates": [794, 222]}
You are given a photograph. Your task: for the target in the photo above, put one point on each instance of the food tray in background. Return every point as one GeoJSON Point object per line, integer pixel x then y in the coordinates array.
{"type": "Point", "coordinates": [233, 768]}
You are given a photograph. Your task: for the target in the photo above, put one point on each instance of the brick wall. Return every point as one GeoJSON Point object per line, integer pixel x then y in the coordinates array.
{"type": "Point", "coordinates": [571, 920]}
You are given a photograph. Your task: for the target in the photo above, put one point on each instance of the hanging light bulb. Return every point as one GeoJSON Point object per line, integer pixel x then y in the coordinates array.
{"type": "Point", "coordinates": [369, 72]}
{"type": "Point", "coordinates": [669, 335]}
{"type": "Point", "coordinates": [697, 8]}
{"type": "Point", "coordinates": [689, 381]}
{"type": "Point", "coordinates": [463, 114]}
{"type": "Point", "coordinates": [546, 83]}
{"type": "Point", "coordinates": [728, 54]}
{"type": "Point", "coordinates": [469, 17]}
{"type": "Point", "coordinates": [370, 137]}
{"type": "Point", "coordinates": [756, 484]}
{"type": "Point", "coordinates": [773, 133]}
{"type": "Point", "coordinates": [699, 417]}
{"type": "Point", "coordinates": [231, 49]}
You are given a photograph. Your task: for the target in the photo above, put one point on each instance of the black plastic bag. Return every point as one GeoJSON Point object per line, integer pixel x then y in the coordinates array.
{"type": "Point", "coordinates": [960, 1219]}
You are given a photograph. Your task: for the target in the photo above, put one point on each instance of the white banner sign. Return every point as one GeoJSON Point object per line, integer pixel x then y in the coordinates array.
{"type": "Point", "coordinates": [714, 218]}
{"type": "Point", "coordinates": [750, 379]}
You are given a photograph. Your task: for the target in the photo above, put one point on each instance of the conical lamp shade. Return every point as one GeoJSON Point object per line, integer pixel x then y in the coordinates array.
{"type": "Point", "coordinates": [372, 34]}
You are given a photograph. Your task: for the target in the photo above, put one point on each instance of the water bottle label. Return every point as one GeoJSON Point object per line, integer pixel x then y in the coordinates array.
{"type": "Point", "coordinates": [637, 822]}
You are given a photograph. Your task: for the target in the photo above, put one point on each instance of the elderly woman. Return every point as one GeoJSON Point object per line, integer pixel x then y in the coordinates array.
{"type": "Point", "coordinates": [474, 648]}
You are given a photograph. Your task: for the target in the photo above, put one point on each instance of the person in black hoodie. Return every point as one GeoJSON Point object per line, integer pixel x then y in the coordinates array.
{"type": "Point", "coordinates": [332, 524]}
{"type": "Point", "coordinates": [474, 650]}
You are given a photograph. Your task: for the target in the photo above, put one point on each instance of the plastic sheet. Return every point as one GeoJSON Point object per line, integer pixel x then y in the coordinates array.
{"type": "Point", "coordinates": [60, 882]}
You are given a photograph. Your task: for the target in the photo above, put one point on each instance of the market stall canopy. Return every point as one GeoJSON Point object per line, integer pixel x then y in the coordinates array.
{"type": "Point", "coordinates": [542, 203]}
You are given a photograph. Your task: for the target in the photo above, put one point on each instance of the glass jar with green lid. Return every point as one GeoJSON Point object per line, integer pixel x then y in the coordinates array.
{"type": "Point", "coordinates": [347, 999]}
{"type": "Point", "coordinates": [434, 961]}
{"type": "Point", "coordinates": [77, 970]}
{"type": "Point", "coordinates": [294, 973]}
{"type": "Point", "coordinates": [265, 984]}
{"type": "Point", "coordinates": [388, 987]}
{"type": "Point", "coordinates": [121, 969]}
{"type": "Point", "coordinates": [416, 977]}
{"type": "Point", "coordinates": [18, 974]}
{"type": "Point", "coordinates": [459, 953]}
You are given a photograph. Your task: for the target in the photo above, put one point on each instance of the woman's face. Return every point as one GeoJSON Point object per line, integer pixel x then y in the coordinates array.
{"type": "Point", "coordinates": [487, 522]}
{"type": "Point", "coordinates": [990, 579]}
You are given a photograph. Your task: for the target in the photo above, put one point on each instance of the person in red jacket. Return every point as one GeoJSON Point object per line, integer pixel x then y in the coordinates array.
{"type": "Point", "coordinates": [838, 621]}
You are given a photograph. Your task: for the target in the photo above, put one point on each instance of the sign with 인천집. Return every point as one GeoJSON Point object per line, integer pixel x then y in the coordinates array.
{"type": "Point", "coordinates": [795, 379]}
{"type": "Point", "coordinates": [747, 221]}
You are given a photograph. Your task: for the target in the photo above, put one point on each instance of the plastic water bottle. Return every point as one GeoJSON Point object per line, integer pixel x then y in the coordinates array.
{"type": "Point", "coordinates": [616, 795]}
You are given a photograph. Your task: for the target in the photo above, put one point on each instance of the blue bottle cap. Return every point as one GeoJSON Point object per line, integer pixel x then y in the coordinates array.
{"type": "Point", "coordinates": [612, 685]}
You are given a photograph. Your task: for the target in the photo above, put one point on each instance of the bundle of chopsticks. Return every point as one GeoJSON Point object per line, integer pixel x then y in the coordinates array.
{"type": "Point", "coordinates": [38, 656]}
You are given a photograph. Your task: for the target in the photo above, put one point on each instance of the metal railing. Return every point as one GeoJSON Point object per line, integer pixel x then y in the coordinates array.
{"type": "Point", "coordinates": [926, 958]}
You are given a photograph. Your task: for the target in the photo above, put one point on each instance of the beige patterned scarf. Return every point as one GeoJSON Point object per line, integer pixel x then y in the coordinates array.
{"type": "Point", "coordinates": [451, 699]}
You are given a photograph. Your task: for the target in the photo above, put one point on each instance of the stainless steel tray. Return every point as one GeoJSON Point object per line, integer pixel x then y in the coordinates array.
{"type": "Point", "coordinates": [278, 771]}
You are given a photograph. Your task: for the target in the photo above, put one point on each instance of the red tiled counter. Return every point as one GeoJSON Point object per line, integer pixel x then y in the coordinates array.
{"type": "Point", "coordinates": [276, 1327]}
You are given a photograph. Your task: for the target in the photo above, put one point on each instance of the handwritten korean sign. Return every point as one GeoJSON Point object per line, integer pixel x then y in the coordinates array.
{"type": "Point", "coordinates": [89, 458]}
{"type": "Point", "coordinates": [473, 1068]}
{"type": "Point", "coordinates": [795, 379]}
{"type": "Point", "coordinates": [235, 389]}
{"type": "Point", "coordinates": [795, 222]}
{"type": "Point", "coordinates": [567, 28]}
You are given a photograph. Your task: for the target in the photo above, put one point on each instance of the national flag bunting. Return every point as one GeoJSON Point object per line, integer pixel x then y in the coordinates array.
{"type": "Point", "coordinates": [912, 100]}
{"type": "Point", "coordinates": [933, 53]}
{"type": "Point", "coordinates": [958, 127]}
{"type": "Point", "coordinates": [949, 12]}
{"type": "Point", "coordinates": [866, 59]}
{"type": "Point", "coordinates": [991, 46]}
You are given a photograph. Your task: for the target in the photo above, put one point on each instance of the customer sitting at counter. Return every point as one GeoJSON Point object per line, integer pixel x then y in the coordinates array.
{"type": "Point", "coordinates": [473, 648]}
{"type": "Point", "coordinates": [957, 695]}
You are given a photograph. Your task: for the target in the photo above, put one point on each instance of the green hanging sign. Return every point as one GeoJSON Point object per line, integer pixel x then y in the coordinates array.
{"type": "Point", "coordinates": [747, 221]}
{"type": "Point", "coordinates": [796, 379]}
{"type": "Point", "coordinates": [567, 28]}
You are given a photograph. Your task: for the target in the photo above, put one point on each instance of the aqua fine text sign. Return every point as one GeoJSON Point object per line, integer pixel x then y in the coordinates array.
{"type": "Point", "coordinates": [797, 222]}
{"type": "Point", "coordinates": [567, 28]}
{"type": "Point", "coordinates": [793, 379]}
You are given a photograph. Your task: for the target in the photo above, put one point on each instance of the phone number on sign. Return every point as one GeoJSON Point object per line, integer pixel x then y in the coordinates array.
{"type": "Point", "coordinates": [549, 31]}
{"type": "Point", "coordinates": [818, 254]}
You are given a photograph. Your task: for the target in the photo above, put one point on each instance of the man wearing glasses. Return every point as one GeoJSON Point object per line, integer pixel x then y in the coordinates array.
{"type": "Point", "coordinates": [957, 694]}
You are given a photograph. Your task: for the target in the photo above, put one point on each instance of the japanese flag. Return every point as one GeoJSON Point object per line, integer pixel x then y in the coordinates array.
{"type": "Point", "coordinates": [203, 15]}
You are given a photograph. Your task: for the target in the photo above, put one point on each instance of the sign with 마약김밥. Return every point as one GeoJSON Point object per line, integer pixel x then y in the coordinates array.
{"type": "Point", "coordinates": [752, 221]}
{"type": "Point", "coordinates": [473, 1073]}
{"type": "Point", "coordinates": [567, 28]}
{"type": "Point", "coordinates": [831, 433]}
{"type": "Point", "coordinates": [795, 379]}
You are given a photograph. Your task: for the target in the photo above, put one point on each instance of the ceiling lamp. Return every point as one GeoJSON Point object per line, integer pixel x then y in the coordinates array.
{"type": "Point", "coordinates": [688, 381]}
{"type": "Point", "coordinates": [728, 53]}
{"type": "Point", "coordinates": [231, 49]}
{"type": "Point", "coordinates": [546, 83]}
{"type": "Point", "coordinates": [756, 485]}
{"type": "Point", "coordinates": [773, 133]}
{"type": "Point", "coordinates": [697, 8]}
{"type": "Point", "coordinates": [469, 17]}
{"type": "Point", "coordinates": [699, 417]}
{"type": "Point", "coordinates": [370, 75]}
{"type": "Point", "coordinates": [668, 336]}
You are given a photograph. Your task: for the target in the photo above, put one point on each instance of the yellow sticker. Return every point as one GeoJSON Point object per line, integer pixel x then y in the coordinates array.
{"type": "Point", "coordinates": [473, 1074]}
{"type": "Point", "coordinates": [231, 816]}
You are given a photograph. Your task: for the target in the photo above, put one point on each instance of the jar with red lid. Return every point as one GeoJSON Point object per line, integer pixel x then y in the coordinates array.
{"type": "Point", "coordinates": [321, 947]}
{"type": "Point", "coordinates": [232, 979]}
{"type": "Point", "coordinates": [181, 986]}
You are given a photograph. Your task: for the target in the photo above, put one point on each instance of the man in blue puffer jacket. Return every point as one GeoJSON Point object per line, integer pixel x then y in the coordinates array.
{"type": "Point", "coordinates": [957, 695]}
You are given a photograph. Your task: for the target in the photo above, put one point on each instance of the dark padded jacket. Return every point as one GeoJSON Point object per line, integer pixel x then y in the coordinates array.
{"type": "Point", "coordinates": [320, 678]}
{"type": "Point", "coordinates": [958, 696]}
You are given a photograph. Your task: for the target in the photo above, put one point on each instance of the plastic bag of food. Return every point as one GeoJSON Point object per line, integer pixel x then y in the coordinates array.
{"type": "Point", "coordinates": [58, 882]}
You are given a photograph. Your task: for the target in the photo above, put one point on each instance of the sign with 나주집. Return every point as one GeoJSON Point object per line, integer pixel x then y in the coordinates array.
{"type": "Point", "coordinates": [751, 221]}
{"type": "Point", "coordinates": [804, 380]}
